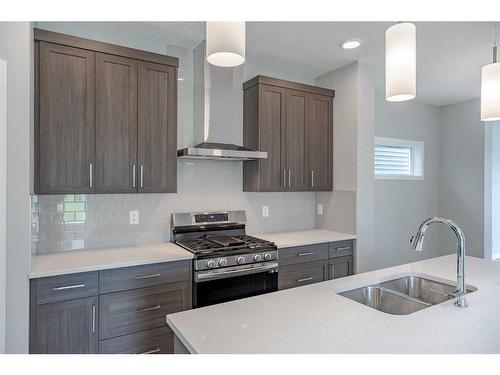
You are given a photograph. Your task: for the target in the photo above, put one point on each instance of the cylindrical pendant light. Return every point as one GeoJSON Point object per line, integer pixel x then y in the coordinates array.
{"type": "Point", "coordinates": [490, 89]}
{"type": "Point", "coordinates": [226, 43]}
{"type": "Point", "coordinates": [400, 62]}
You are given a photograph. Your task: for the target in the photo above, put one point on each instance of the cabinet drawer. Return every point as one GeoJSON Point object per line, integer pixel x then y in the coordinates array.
{"type": "Point", "coordinates": [340, 248]}
{"type": "Point", "coordinates": [115, 280]}
{"type": "Point", "coordinates": [66, 287]}
{"type": "Point", "coordinates": [302, 274]}
{"type": "Point", "coordinates": [154, 341]}
{"type": "Point", "coordinates": [123, 313]}
{"type": "Point", "coordinates": [301, 254]}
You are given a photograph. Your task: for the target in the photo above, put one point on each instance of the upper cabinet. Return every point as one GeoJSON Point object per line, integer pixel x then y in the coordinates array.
{"type": "Point", "coordinates": [293, 123]}
{"type": "Point", "coordinates": [105, 117]}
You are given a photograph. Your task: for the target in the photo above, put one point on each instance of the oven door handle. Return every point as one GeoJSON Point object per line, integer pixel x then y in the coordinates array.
{"type": "Point", "coordinates": [209, 275]}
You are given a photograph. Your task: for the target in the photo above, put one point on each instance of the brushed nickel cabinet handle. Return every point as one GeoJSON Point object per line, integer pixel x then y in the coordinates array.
{"type": "Point", "coordinates": [305, 254]}
{"type": "Point", "coordinates": [76, 286]}
{"type": "Point", "coordinates": [312, 178]}
{"type": "Point", "coordinates": [304, 279]}
{"type": "Point", "coordinates": [343, 248]}
{"type": "Point", "coordinates": [289, 178]}
{"type": "Point", "coordinates": [157, 350]}
{"type": "Point", "coordinates": [133, 176]}
{"type": "Point", "coordinates": [284, 177]}
{"type": "Point", "coordinates": [93, 318]}
{"type": "Point", "coordinates": [157, 307]}
{"type": "Point", "coordinates": [91, 175]}
{"type": "Point", "coordinates": [147, 276]}
{"type": "Point", "coordinates": [332, 276]}
{"type": "Point", "coordinates": [142, 176]}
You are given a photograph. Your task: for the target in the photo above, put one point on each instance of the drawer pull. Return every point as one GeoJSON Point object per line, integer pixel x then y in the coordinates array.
{"type": "Point", "coordinates": [68, 287]}
{"type": "Point", "coordinates": [93, 318]}
{"type": "Point", "coordinates": [150, 308]}
{"type": "Point", "coordinates": [157, 350]}
{"type": "Point", "coordinates": [147, 276]}
{"type": "Point", "coordinates": [343, 248]}
{"type": "Point", "coordinates": [304, 279]}
{"type": "Point", "coordinates": [305, 254]}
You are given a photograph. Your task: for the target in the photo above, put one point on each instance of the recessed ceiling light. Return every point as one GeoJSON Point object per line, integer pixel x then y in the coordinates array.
{"type": "Point", "coordinates": [351, 44]}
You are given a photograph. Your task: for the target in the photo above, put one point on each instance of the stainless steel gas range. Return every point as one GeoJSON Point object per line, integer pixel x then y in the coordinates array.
{"type": "Point", "coordinates": [228, 264]}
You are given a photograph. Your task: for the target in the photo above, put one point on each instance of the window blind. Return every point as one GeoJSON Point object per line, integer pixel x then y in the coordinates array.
{"type": "Point", "coordinates": [393, 160]}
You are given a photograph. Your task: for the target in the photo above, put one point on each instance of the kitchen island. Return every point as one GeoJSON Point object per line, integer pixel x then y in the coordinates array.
{"type": "Point", "coordinates": [315, 319]}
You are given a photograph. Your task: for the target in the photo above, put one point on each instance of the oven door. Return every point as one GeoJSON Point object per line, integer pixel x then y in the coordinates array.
{"type": "Point", "coordinates": [227, 284]}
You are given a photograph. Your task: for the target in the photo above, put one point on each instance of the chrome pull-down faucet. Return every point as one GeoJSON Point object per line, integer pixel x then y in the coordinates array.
{"type": "Point", "coordinates": [417, 242]}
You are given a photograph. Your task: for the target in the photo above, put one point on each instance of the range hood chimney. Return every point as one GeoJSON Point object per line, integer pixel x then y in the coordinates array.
{"type": "Point", "coordinates": [214, 131]}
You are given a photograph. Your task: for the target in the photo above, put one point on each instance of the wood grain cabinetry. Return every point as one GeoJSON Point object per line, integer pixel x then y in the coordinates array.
{"type": "Point", "coordinates": [293, 123]}
{"type": "Point", "coordinates": [105, 117]}
{"type": "Point", "coordinates": [65, 123]}
{"type": "Point", "coordinates": [109, 311]}
{"type": "Point", "coordinates": [302, 265]}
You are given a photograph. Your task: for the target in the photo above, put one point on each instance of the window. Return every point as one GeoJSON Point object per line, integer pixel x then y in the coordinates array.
{"type": "Point", "coordinates": [398, 159]}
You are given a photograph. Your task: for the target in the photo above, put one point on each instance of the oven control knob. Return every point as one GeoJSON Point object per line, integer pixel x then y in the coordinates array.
{"type": "Point", "coordinates": [240, 260]}
{"type": "Point", "coordinates": [257, 257]}
{"type": "Point", "coordinates": [222, 262]}
{"type": "Point", "coordinates": [211, 264]}
{"type": "Point", "coordinates": [267, 256]}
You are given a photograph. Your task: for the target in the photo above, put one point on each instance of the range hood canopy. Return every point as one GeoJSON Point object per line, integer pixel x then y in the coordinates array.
{"type": "Point", "coordinates": [214, 103]}
{"type": "Point", "coordinates": [220, 151]}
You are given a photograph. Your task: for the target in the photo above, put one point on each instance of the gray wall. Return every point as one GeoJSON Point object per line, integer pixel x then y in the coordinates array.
{"type": "Point", "coordinates": [3, 199]}
{"type": "Point", "coordinates": [16, 49]}
{"type": "Point", "coordinates": [202, 185]}
{"type": "Point", "coordinates": [462, 174]}
{"type": "Point", "coordinates": [401, 205]}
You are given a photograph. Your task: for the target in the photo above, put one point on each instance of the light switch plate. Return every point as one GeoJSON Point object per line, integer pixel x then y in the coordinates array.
{"type": "Point", "coordinates": [265, 211]}
{"type": "Point", "coordinates": [320, 209]}
{"type": "Point", "coordinates": [134, 217]}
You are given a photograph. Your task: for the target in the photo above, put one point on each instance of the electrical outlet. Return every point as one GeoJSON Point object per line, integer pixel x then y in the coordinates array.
{"type": "Point", "coordinates": [265, 211]}
{"type": "Point", "coordinates": [134, 217]}
{"type": "Point", "coordinates": [320, 209]}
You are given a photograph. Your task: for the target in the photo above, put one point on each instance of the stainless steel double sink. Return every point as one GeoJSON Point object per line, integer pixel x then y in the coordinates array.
{"type": "Point", "coordinates": [404, 295]}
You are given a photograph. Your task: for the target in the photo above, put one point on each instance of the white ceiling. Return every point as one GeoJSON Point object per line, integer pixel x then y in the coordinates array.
{"type": "Point", "coordinates": [449, 54]}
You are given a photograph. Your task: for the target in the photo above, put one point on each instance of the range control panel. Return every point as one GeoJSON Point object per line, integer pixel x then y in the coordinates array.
{"type": "Point", "coordinates": [210, 218]}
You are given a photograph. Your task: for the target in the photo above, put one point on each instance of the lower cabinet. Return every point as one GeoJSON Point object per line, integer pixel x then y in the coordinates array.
{"type": "Point", "coordinates": [153, 341]}
{"type": "Point", "coordinates": [302, 274]}
{"type": "Point", "coordinates": [67, 327]}
{"type": "Point", "coordinates": [78, 314]}
{"type": "Point", "coordinates": [302, 265]}
{"type": "Point", "coordinates": [340, 267]}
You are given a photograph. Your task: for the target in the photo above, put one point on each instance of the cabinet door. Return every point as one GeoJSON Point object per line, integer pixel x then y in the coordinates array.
{"type": "Point", "coordinates": [68, 327]}
{"type": "Point", "coordinates": [340, 267]}
{"type": "Point", "coordinates": [319, 143]}
{"type": "Point", "coordinates": [294, 140]}
{"type": "Point", "coordinates": [157, 128]}
{"type": "Point", "coordinates": [272, 125]}
{"type": "Point", "coordinates": [65, 128]}
{"type": "Point", "coordinates": [116, 124]}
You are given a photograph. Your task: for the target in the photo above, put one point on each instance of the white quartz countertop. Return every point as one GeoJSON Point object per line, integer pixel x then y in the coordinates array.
{"type": "Point", "coordinates": [315, 319]}
{"type": "Point", "coordinates": [100, 259]}
{"type": "Point", "coordinates": [304, 237]}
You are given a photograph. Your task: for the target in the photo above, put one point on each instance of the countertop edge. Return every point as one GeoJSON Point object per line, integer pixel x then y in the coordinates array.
{"type": "Point", "coordinates": [69, 271]}
{"type": "Point", "coordinates": [313, 242]}
{"type": "Point", "coordinates": [179, 335]}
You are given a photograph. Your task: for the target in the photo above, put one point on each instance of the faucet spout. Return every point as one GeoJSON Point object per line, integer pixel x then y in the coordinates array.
{"type": "Point", "coordinates": [417, 241]}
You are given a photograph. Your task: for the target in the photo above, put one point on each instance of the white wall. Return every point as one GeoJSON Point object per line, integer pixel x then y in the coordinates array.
{"type": "Point", "coordinates": [3, 208]}
{"type": "Point", "coordinates": [401, 205]}
{"type": "Point", "coordinates": [353, 136]}
{"type": "Point", "coordinates": [462, 174]}
{"type": "Point", "coordinates": [16, 49]}
{"type": "Point", "coordinates": [492, 190]}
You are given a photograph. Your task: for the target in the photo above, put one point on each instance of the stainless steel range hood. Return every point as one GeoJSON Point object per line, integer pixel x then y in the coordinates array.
{"type": "Point", "coordinates": [220, 151]}
{"type": "Point", "coordinates": [217, 127]}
